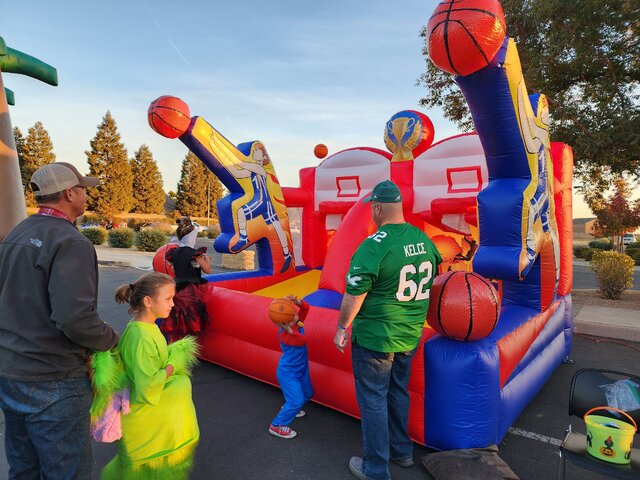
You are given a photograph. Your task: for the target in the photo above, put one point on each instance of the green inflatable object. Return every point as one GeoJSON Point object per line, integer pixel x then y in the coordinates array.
{"type": "Point", "coordinates": [11, 98]}
{"type": "Point", "coordinates": [14, 61]}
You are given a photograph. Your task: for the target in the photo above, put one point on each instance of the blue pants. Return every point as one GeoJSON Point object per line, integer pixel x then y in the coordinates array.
{"type": "Point", "coordinates": [297, 390]}
{"type": "Point", "coordinates": [47, 428]}
{"type": "Point", "coordinates": [381, 381]}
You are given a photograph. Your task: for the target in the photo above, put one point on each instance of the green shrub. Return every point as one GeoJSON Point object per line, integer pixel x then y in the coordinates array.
{"type": "Point", "coordinates": [121, 237]}
{"type": "Point", "coordinates": [97, 235]}
{"type": "Point", "coordinates": [135, 224]}
{"type": "Point", "coordinates": [600, 244]}
{"type": "Point", "coordinates": [635, 245]}
{"type": "Point", "coordinates": [588, 253]}
{"type": "Point", "coordinates": [578, 250]}
{"type": "Point", "coordinates": [631, 250]}
{"type": "Point", "coordinates": [92, 218]}
{"type": "Point", "coordinates": [614, 272]}
{"type": "Point", "coordinates": [636, 257]}
{"type": "Point", "coordinates": [150, 240]}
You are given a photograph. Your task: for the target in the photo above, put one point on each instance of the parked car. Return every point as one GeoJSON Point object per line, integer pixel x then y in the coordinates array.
{"type": "Point", "coordinates": [628, 238]}
{"type": "Point", "coordinates": [89, 225]}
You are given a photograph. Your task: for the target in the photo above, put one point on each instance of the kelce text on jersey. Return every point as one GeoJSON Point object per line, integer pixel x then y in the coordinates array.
{"type": "Point", "coordinates": [414, 249]}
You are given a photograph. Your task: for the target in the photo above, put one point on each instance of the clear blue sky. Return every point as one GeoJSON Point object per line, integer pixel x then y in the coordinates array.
{"type": "Point", "coordinates": [289, 73]}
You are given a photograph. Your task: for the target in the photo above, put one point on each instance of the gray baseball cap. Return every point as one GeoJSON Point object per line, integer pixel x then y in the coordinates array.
{"type": "Point", "coordinates": [58, 176]}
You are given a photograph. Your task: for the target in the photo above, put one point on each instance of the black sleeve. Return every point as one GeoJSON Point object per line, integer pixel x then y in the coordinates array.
{"type": "Point", "coordinates": [73, 293]}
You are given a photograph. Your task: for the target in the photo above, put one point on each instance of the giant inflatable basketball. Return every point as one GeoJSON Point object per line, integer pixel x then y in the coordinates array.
{"type": "Point", "coordinates": [464, 306]}
{"type": "Point", "coordinates": [160, 262]}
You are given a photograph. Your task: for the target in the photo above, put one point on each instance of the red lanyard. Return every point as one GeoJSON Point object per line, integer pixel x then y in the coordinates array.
{"type": "Point", "coordinates": [52, 212]}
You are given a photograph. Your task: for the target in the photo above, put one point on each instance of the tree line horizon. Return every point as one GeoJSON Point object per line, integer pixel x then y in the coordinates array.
{"type": "Point", "coordinates": [127, 185]}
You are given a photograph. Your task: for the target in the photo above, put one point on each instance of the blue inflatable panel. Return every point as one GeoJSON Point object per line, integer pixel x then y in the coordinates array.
{"type": "Point", "coordinates": [568, 324]}
{"type": "Point", "coordinates": [325, 298]}
{"type": "Point", "coordinates": [489, 98]}
{"type": "Point", "coordinates": [462, 393]}
{"type": "Point", "coordinates": [511, 317]}
{"type": "Point", "coordinates": [464, 404]}
{"type": "Point", "coordinates": [503, 198]}
{"type": "Point", "coordinates": [520, 390]}
{"type": "Point", "coordinates": [553, 329]}
{"type": "Point", "coordinates": [525, 292]}
{"type": "Point", "coordinates": [219, 277]}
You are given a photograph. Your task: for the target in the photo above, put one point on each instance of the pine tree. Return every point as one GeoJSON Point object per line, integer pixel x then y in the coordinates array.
{"type": "Point", "coordinates": [37, 150]}
{"type": "Point", "coordinates": [148, 190]}
{"type": "Point", "coordinates": [108, 161]}
{"type": "Point", "coordinates": [198, 188]}
{"type": "Point", "coordinates": [19, 139]}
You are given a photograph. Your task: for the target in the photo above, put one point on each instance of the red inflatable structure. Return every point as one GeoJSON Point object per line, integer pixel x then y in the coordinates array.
{"type": "Point", "coordinates": [497, 201]}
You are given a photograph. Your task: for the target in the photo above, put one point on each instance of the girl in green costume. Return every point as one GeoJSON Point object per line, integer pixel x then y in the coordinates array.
{"type": "Point", "coordinates": [160, 434]}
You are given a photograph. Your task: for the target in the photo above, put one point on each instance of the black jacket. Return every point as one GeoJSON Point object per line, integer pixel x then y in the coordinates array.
{"type": "Point", "coordinates": [48, 302]}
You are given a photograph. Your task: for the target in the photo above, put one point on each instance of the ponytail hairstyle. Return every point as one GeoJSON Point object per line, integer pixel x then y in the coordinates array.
{"type": "Point", "coordinates": [145, 286]}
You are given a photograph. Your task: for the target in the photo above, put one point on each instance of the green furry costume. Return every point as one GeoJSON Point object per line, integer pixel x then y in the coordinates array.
{"type": "Point", "coordinates": [160, 434]}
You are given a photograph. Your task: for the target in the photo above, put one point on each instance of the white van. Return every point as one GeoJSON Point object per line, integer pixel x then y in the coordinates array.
{"type": "Point", "coordinates": [628, 238]}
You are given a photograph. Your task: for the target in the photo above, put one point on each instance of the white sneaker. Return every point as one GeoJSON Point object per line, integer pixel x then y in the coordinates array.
{"type": "Point", "coordinates": [301, 413]}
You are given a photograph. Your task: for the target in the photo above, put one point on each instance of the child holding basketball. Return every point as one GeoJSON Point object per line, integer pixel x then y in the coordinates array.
{"type": "Point", "coordinates": [160, 433]}
{"type": "Point", "coordinates": [293, 372]}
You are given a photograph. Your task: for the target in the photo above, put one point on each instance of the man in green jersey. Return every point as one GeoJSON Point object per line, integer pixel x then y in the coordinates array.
{"type": "Point", "coordinates": [386, 300]}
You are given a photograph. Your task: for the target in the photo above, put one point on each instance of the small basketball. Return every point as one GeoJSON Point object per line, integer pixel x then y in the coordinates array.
{"type": "Point", "coordinates": [464, 306]}
{"type": "Point", "coordinates": [282, 311]}
{"type": "Point", "coordinates": [160, 262]}
{"type": "Point", "coordinates": [465, 35]}
{"type": "Point", "coordinates": [320, 151]}
{"type": "Point", "coordinates": [169, 116]}
{"type": "Point", "coordinates": [447, 247]}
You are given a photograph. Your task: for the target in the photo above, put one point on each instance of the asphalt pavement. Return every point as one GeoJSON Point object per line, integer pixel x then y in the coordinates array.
{"type": "Point", "coordinates": [234, 413]}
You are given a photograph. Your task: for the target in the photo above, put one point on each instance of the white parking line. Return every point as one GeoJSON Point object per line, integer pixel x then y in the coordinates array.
{"type": "Point", "coordinates": [535, 436]}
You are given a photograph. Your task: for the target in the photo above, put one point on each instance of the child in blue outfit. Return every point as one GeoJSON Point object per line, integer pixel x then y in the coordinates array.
{"type": "Point", "coordinates": [293, 372]}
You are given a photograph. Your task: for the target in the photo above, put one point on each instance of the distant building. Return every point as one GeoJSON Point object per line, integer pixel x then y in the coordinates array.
{"type": "Point", "coordinates": [583, 228]}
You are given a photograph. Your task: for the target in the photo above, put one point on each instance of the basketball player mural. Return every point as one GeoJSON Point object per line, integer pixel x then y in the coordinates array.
{"type": "Point", "coordinates": [254, 211]}
{"type": "Point", "coordinates": [518, 227]}
{"type": "Point", "coordinates": [260, 204]}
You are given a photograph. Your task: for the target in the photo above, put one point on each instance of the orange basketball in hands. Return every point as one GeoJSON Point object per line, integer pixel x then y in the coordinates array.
{"type": "Point", "coordinates": [169, 116]}
{"type": "Point", "coordinates": [282, 311]}
{"type": "Point", "coordinates": [465, 35]}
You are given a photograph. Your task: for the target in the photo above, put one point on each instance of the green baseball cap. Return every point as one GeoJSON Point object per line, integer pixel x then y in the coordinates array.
{"type": "Point", "coordinates": [384, 192]}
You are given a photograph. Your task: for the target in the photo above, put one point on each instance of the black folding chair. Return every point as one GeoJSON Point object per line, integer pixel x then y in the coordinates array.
{"type": "Point", "coordinates": [586, 394]}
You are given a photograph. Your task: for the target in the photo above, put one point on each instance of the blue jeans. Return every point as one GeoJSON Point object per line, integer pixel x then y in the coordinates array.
{"type": "Point", "coordinates": [47, 428]}
{"type": "Point", "coordinates": [381, 382]}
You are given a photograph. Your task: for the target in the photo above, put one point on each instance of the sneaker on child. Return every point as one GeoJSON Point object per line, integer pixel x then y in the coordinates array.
{"type": "Point", "coordinates": [282, 431]}
{"type": "Point", "coordinates": [300, 414]}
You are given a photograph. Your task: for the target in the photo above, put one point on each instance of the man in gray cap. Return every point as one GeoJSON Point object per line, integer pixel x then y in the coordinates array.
{"type": "Point", "coordinates": [48, 326]}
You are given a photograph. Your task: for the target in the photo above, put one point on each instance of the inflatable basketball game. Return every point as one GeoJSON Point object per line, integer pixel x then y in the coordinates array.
{"type": "Point", "coordinates": [497, 203]}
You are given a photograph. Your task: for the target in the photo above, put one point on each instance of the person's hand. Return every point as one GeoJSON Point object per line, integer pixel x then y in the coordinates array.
{"type": "Point", "coordinates": [340, 340]}
{"type": "Point", "coordinates": [169, 370]}
{"type": "Point", "coordinates": [293, 298]}
{"type": "Point", "coordinates": [287, 328]}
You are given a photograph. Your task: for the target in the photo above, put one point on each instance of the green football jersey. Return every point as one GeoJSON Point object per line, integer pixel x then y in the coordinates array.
{"type": "Point", "coordinates": [395, 267]}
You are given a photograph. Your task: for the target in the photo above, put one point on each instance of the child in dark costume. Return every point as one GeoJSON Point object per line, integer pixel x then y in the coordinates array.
{"type": "Point", "coordinates": [189, 315]}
